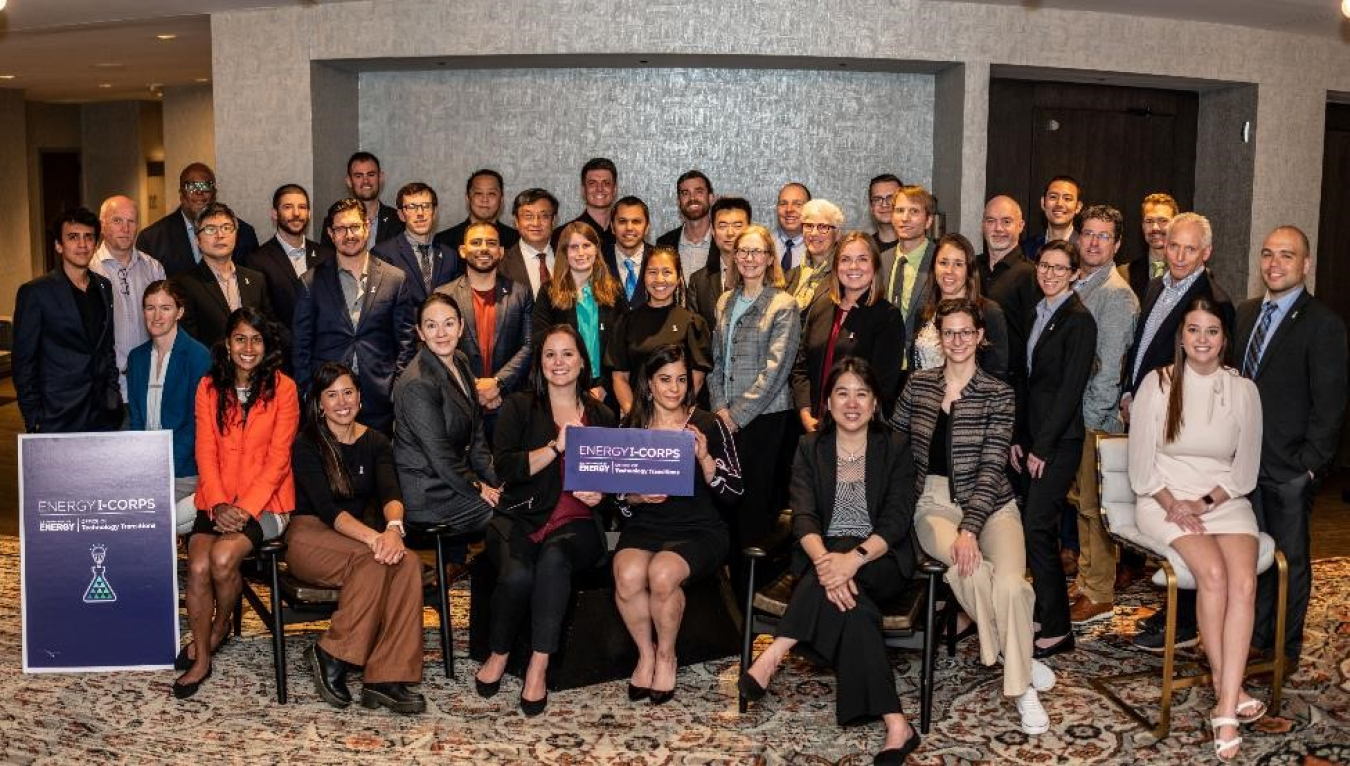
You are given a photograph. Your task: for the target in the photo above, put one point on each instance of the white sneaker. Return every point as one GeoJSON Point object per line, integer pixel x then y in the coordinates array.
{"type": "Point", "coordinates": [1034, 718]}
{"type": "Point", "coordinates": [1042, 677]}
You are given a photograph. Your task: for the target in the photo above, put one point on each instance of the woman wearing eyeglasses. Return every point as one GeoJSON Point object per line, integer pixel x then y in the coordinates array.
{"type": "Point", "coordinates": [954, 275]}
{"type": "Point", "coordinates": [959, 420]}
{"type": "Point", "coordinates": [822, 222]}
{"type": "Point", "coordinates": [1060, 353]}
{"type": "Point", "coordinates": [754, 347]}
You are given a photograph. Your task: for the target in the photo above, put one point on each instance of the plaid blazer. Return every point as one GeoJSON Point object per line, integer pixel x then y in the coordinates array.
{"type": "Point", "coordinates": [763, 349]}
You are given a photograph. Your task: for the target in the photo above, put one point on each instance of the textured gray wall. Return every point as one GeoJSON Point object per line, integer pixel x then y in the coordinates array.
{"type": "Point", "coordinates": [336, 137]}
{"type": "Point", "coordinates": [189, 133]}
{"type": "Point", "coordinates": [1223, 181]}
{"type": "Point", "coordinates": [112, 161]}
{"type": "Point", "coordinates": [749, 130]}
{"type": "Point", "coordinates": [14, 223]}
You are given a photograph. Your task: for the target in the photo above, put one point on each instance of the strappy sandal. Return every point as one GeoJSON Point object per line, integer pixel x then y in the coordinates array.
{"type": "Point", "coordinates": [1220, 745]}
{"type": "Point", "coordinates": [1250, 704]}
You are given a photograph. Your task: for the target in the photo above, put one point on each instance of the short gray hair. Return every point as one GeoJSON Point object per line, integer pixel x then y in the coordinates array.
{"type": "Point", "coordinates": [1194, 219]}
{"type": "Point", "coordinates": [825, 209]}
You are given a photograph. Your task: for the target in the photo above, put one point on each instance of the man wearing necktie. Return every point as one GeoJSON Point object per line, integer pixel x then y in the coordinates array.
{"type": "Point", "coordinates": [905, 266]}
{"type": "Point", "coordinates": [427, 264]}
{"type": "Point", "coordinates": [626, 254]}
{"type": "Point", "coordinates": [1294, 348]}
{"type": "Point", "coordinates": [791, 199]}
{"type": "Point", "coordinates": [1157, 212]}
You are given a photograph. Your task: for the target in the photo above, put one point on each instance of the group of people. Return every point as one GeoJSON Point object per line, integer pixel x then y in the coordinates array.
{"type": "Point", "coordinates": [900, 393]}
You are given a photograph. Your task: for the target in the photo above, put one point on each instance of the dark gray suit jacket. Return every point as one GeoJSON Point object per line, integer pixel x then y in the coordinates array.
{"type": "Point", "coordinates": [511, 349]}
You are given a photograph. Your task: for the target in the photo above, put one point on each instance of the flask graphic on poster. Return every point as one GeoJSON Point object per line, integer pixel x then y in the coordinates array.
{"type": "Point", "coordinates": [99, 591]}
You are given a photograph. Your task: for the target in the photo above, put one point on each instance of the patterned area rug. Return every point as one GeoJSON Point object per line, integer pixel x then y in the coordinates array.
{"type": "Point", "coordinates": [132, 718]}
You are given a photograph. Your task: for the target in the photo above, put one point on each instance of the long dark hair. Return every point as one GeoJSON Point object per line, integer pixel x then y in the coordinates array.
{"type": "Point", "coordinates": [857, 366]}
{"type": "Point", "coordinates": [1176, 374]}
{"type": "Point", "coordinates": [316, 428]}
{"type": "Point", "coordinates": [539, 384]}
{"type": "Point", "coordinates": [644, 408]}
{"type": "Point", "coordinates": [973, 293]}
{"type": "Point", "coordinates": [262, 384]}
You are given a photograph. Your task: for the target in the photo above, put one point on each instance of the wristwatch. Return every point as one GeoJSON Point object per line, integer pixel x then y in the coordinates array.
{"type": "Point", "coordinates": [397, 524]}
{"type": "Point", "coordinates": [1208, 500]}
{"type": "Point", "coordinates": [862, 552]}
{"type": "Point", "coordinates": [553, 445]}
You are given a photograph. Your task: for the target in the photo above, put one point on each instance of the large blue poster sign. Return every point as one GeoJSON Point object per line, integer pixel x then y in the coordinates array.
{"type": "Point", "coordinates": [640, 460]}
{"type": "Point", "coordinates": [100, 582]}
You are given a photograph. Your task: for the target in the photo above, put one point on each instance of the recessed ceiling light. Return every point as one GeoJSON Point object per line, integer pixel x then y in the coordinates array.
{"type": "Point", "coordinates": [7, 76]}
{"type": "Point", "coordinates": [166, 37]}
{"type": "Point", "coordinates": [203, 79]}
{"type": "Point", "coordinates": [110, 65]}
{"type": "Point", "coordinates": [105, 85]}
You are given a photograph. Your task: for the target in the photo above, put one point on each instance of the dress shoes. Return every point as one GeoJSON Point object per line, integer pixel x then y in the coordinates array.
{"type": "Point", "coordinates": [1085, 610]}
{"type": "Point", "coordinates": [750, 688]}
{"type": "Point", "coordinates": [330, 677]}
{"type": "Point", "coordinates": [895, 756]}
{"type": "Point", "coordinates": [182, 663]}
{"type": "Point", "coordinates": [395, 696]}
{"type": "Point", "coordinates": [661, 696]}
{"type": "Point", "coordinates": [1156, 640]}
{"type": "Point", "coordinates": [183, 691]}
{"type": "Point", "coordinates": [486, 689]}
{"type": "Point", "coordinates": [532, 708]}
{"type": "Point", "coordinates": [1063, 645]}
{"type": "Point", "coordinates": [637, 693]}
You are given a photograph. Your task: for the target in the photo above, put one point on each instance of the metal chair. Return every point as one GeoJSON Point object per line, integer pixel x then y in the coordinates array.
{"type": "Point", "coordinates": [1117, 508]}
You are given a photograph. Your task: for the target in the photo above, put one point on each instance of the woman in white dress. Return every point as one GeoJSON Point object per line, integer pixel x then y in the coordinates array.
{"type": "Point", "coordinates": [1195, 447]}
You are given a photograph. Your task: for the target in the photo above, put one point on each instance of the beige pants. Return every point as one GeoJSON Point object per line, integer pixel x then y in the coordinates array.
{"type": "Point", "coordinates": [996, 595]}
{"type": "Point", "coordinates": [1096, 551]}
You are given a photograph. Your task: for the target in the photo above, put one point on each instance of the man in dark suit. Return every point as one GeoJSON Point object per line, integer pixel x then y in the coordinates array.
{"type": "Point", "coordinates": [730, 217]}
{"type": "Point", "coordinates": [172, 240]}
{"type": "Point", "coordinates": [599, 186]}
{"type": "Point", "coordinates": [1007, 277]}
{"type": "Point", "coordinates": [283, 259]}
{"type": "Point", "coordinates": [426, 264]}
{"type": "Point", "coordinates": [355, 309]}
{"type": "Point", "coordinates": [497, 317]}
{"type": "Point", "coordinates": [365, 180]}
{"type": "Point", "coordinates": [65, 362]}
{"type": "Point", "coordinates": [530, 261]}
{"type": "Point", "coordinates": [1061, 202]}
{"type": "Point", "coordinates": [905, 267]}
{"type": "Point", "coordinates": [483, 198]}
{"type": "Point", "coordinates": [1189, 246]}
{"type": "Point", "coordinates": [880, 197]}
{"type": "Point", "coordinates": [626, 256]}
{"type": "Point", "coordinates": [1294, 348]}
{"type": "Point", "coordinates": [693, 238]}
{"type": "Point", "coordinates": [216, 286]}
{"type": "Point", "coordinates": [1159, 210]}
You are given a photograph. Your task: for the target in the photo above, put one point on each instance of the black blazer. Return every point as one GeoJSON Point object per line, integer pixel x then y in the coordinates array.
{"type": "Point", "coordinates": [453, 237]}
{"type": "Point", "coordinates": [1162, 349]}
{"type": "Point", "coordinates": [65, 381]}
{"type": "Point", "coordinates": [205, 309]}
{"type": "Point", "coordinates": [526, 424]}
{"type": "Point", "coordinates": [606, 236]}
{"type": "Point", "coordinates": [1302, 381]}
{"type": "Point", "coordinates": [706, 287]}
{"type": "Point", "coordinates": [446, 265]}
{"type": "Point", "coordinates": [511, 347]}
{"type": "Point", "coordinates": [1138, 273]}
{"type": "Point", "coordinates": [1011, 283]}
{"type": "Point", "coordinates": [611, 256]}
{"type": "Point", "coordinates": [1050, 399]}
{"type": "Point", "coordinates": [167, 240]}
{"type": "Point", "coordinates": [546, 315]}
{"type": "Point", "coordinates": [282, 284]}
{"type": "Point", "coordinates": [672, 237]}
{"type": "Point", "coordinates": [875, 333]}
{"type": "Point", "coordinates": [889, 476]}
{"type": "Point", "coordinates": [390, 225]}
{"type": "Point", "coordinates": [439, 443]}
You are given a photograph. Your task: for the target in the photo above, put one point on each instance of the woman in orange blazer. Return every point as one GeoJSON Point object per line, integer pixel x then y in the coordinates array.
{"type": "Point", "coordinates": [247, 415]}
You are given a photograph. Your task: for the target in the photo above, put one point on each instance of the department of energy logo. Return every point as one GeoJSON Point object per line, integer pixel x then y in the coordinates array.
{"type": "Point", "coordinates": [99, 591]}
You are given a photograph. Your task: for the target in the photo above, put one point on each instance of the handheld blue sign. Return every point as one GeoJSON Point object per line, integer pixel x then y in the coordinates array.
{"type": "Point", "coordinates": [640, 460]}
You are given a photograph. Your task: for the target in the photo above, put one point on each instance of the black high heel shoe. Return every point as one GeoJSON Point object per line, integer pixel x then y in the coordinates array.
{"type": "Point", "coordinates": [183, 691]}
{"type": "Point", "coordinates": [661, 696]}
{"type": "Point", "coordinates": [750, 688]}
{"type": "Point", "coordinates": [637, 693]}
{"type": "Point", "coordinates": [486, 689]}
{"type": "Point", "coordinates": [896, 756]}
{"type": "Point", "coordinates": [533, 708]}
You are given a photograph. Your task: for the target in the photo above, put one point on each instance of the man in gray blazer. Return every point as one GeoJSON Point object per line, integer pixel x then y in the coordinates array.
{"type": "Point", "coordinates": [905, 267]}
{"type": "Point", "coordinates": [1108, 297]}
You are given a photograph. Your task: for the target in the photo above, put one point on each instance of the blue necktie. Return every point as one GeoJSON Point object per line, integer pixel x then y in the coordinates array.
{"type": "Point", "coordinates": [787, 255]}
{"type": "Point", "coordinates": [629, 281]}
{"type": "Point", "coordinates": [1253, 358]}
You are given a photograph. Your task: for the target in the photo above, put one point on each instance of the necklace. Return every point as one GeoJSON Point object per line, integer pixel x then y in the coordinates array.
{"type": "Point", "coordinates": [849, 456]}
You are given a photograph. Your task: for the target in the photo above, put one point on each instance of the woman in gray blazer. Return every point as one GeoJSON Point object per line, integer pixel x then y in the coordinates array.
{"type": "Point", "coordinates": [754, 347]}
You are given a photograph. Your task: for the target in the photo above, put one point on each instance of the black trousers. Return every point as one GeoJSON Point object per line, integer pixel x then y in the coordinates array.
{"type": "Point", "coordinates": [1284, 511]}
{"type": "Point", "coordinates": [1041, 525]}
{"type": "Point", "coordinates": [851, 642]}
{"type": "Point", "coordinates": [757, 446]}
{"type": "Point", "coordinates": [536, 579]}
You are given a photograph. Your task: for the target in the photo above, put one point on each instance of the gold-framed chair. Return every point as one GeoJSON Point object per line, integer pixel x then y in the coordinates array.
{"type": "Point", "coordinates": [1117, 509]}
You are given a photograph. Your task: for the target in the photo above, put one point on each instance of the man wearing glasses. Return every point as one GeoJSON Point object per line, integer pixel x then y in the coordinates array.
{"type": "Point", "coordinates": [483, 199]}
{"type": "Point", "coordinates": [880, 194]}
{"type": "Point", "coordinates": [426, 264]}
{"type": "Point", "coordinates": [1157, 210]}
{"type": "Point", "coordinates": [216, 286]}
{"type": "Point", "coordinates": [172, 240]}
{"type": "Point", "coordinates": [530, 261]}
{"type": "Point", "coordinates": [130, 271]}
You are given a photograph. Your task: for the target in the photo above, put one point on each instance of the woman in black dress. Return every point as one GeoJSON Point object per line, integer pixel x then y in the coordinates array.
{"type": "Point", "coordinates": [669, 541]}
{"type": "Point", "coordinates": [852, 507]}
{"type": "Point", "coordinates": [661, 321]}
{"type": "Point", "coordinates": [540, 534]}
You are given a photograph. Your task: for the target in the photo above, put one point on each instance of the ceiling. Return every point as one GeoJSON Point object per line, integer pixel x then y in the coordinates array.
{"type": "Point", "coordinates": [108, 50]}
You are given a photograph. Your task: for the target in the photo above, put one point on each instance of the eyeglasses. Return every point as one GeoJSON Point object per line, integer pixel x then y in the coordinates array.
{"type": "Point", "coordinates": [418, 207]}
{"type": "Point", "coordinates": [536, 217]}
{"type": "Point", "coordinates": [1101, 236]}
{"type": "Point", "coordinates": [963, 334]}
{"type": "Point", "coordinates": [882, 200]}
{"type": "Point", "coordinates": [1057, 269]}
{"type": "Point", "coordinates": [751, 253]}
{"type": "Point", "coordinates": [214, 229]}
{"type": "Point", "coordinates": [346, 231]}
{"type": "Point", "coordinates": [823, 228]}
{"type": "Point", "coordinates": [199, 187]}
{"type": "Point", "coordinates": [1157, 223]}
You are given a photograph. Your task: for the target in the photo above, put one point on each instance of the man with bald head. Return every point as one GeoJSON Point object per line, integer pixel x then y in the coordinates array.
{"type": "Point", "coordinates": [1006, 276]}
{"type": "Point", "coordinates": [172, 240]}
{"type": "Point", "coordinates": [129, 270]}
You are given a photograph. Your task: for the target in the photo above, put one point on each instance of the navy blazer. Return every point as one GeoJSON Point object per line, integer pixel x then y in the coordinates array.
{"type": "Point", "coordinates": [381, 343]}
{"type": "Point", "coordinates": [282, 284]}
{"type": "Point", "coordinates": [446, 265]}
{"type": "Point", "coordinates": [167, 240]}
{"type": "Point", "coordinates": [1162, 349]}
{"type": "Point", "coordinates": [511, 349]}
{"type": "Point", "coordinates": [611, 256]}
{"type": "Point", "coordinates": [205, 310]}
{"type": "Point", "coordinates": [189, 362]}
{"type": "Point", "coordinates": [65, 380]}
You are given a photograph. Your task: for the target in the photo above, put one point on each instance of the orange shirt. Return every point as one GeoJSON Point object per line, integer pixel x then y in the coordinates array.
{"type": "Point", "coordinates": [250, 464]}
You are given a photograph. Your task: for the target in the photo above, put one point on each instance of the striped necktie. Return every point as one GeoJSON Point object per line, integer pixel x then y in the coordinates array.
{"type": "Point", "coordinates": [1253, 358]}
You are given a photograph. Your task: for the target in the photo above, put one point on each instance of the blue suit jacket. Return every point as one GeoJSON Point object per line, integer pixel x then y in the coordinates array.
{"type": "Point", "coordinates": [189, 362]}
{"type": "Point", "coordinates": [381, 343]}
{"type": "Point", "coordinates": [511, 349]}
{"type": "Point", "coordinates": [399, 251]}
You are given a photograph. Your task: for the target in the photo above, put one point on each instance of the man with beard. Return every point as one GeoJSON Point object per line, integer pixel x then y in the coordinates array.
{"type": "Point", "coordinates": [1158, 211]}
{"type": "Point", "coordinates": [1062, 200]}
{"type": "Point", "coordinates": [693, 238]}
{"type": "Point", "coordinates": [1006, 276]}
{"type": "Point", "coordinates": [172, 240]}
{"type": "Point", "coordinates": [365, 180]}
{"type": "Point", "coordinates": [285, 258]}
{"type": "Point", "coordinates": [216, 286]}
{"type": "Point", "coordinates": [130, 271]}
{"type": "Point", "coordinates": [356, 310]}
{"type": "Point", "coordinates": [628, 254]}
{"type": "Point", "coordinates": [483, 199]}
{"type": "Point", "coordinates": [425, 263]}
{"type": "Point", "coordinates": [497, 314]}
